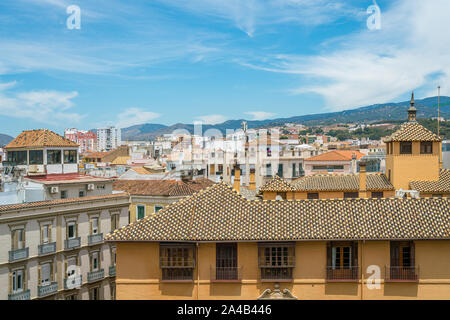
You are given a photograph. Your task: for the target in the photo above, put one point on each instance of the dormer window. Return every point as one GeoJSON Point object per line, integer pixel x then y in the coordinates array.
{"type": "Point", "coordinates": [406, 147]}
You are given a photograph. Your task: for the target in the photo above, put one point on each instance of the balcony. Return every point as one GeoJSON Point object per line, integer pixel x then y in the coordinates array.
{"type": "Point", "coordinates": [112, 271]}
{"type": "Point", "coordinates": [226, 274]}
{"type": "Point", "coordinates": [95, 238]}
{"type": "Point", "coordinates": [402, 274]}
{"type": "Point", "coordinates": [96, 275]}
{"type": "Point", "coordinates": [24, 295]}
{"type": "Point", "coordinates": [19, 254]}
{"type": "Point", "coordinates": [72, 243]}
{"type": "Point", "coordinates": [48, 289]}
{"type": "Point", "coordinates": [74, 282]}
{"type": "Point", "coordinates": [47, 248]}
{"type": "Point", "coordinates": [348, 274]}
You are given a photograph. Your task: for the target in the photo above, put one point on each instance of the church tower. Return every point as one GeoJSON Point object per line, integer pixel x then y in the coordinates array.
{"type": "Point", "coordinates": [412, 153]}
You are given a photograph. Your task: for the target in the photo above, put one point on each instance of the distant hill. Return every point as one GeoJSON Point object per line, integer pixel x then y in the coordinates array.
{"type": "Point", "coordinates": [5, 139]}
{"type": "Point", "coordinates": [427, 108]}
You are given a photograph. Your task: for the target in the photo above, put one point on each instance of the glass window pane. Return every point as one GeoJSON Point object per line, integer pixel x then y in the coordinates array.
{"type": "Point", "coordinates": [36, 156]}
{"type": "Point", "coordinates": [53, 156]}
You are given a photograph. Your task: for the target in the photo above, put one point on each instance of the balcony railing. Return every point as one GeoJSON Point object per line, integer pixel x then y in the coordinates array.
{"type": "Point", "coordinates": [342, 274]}
{"type": "Point", "coordinates": [73, 282]}
{"type": "Point", "coordinates": [177, 274]}
{"type": "Point", "coordinates": [276, 274]}
{"type": "Point", "coordinates": [112, 271]}
{"type": "Point", "coordinates": [18, 254]}
{"type": "Point", "coordinates": [48, 289]}
{"type": "Point", "coordinates": [226, 274]}
{"type": "Point", "coordinates": [24, 295]}
{"type": "Point", "coordinates": [176, 262]}
{"type": "Point", "coordinates": [72, 243]}
{"type": "Point", "coordinates": [96, 275]}
{"type": "Point", "coordinates": [402, 274]}
{"type": "Point", "coordinates": [47, 248]}
{"type": "Point", "coordinates": [95, 238]}
{"type": "Point", "coordinates": [276, 262]}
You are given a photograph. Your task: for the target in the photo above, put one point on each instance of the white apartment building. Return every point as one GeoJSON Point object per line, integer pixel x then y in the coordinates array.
{"type": "Point", "coordinates": [108, 138]}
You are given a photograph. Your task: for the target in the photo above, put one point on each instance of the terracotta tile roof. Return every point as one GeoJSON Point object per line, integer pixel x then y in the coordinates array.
{"type": "Point", "coordinates": [220, 214]}
{"type": "Point", "coordinates": [440, 186]}
{"type": "Point", "coordinates": [37, 204]}
{"type": "Point", "coordinates": [40, 138]}
{"type": "Point", "coordinates": [141, 170]}
{"type": "Point", "coordinates": [412, 131]}
{"type": "Point", "coordinates": [121, 160]}
{"type": "Point", "coordinates": [349, 182]}
{"type": "Point", "coordinates": [161, 187]}
{"type": "Point", "coordinates": [337, 155]}
{"type": "Point", "coordinates": [95, 155]}
{"type": "Point", "coordinates": [66, 178]}
{"type": "Point", "coordinates": [276, 184]}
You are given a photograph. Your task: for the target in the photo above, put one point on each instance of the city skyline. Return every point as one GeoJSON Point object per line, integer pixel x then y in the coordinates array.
{"type": "Point", "coordinates": [211, 62]}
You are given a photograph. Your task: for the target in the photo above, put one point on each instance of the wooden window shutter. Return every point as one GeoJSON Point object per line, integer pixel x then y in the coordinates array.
{"type": "Point", "coordinates": [413, 254]}
{"type": "Point", "coordinates": [49, 233]}
{"type": "Point", "coordinates": [112, 223]}
{"type": "Point", "coordinates": [39, 275]}
{"type": "Point", "coordinates": [67, 231]}
{"type": "Point", "coordinates": [51, 272]}
{"type": "Point", "coordinates": [76, 229]}
{"type": "Point", "coordinates": [42, 234]}
{"type": "Point", "coordinates": [355, 253]}
{"type": "Point", "coordinates": [329, 254]}
{"type": "Point", "coordinates": [394, 254]}
{"type": "Point", "coordinates": [90, 226]}
{"type": "Point", "coordinates": [90, 262]}
{"type": "Point", "coordinates": [15, 240]}
{"type": "Point", "coordinates": [66, 266]}
{"type": "Point", "coordinates": [24, 279]}
{"type": "Point", "coordinates": [10, 282]}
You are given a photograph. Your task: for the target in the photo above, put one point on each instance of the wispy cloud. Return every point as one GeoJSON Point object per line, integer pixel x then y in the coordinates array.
{"type": "Point", "coordinates": [44, 106]}
{"type": "Point", "coordinates": [212, 118]}
{"type": "Point", "coordinates": [260, 115]}
{"type": "Point", "coordinates": [134, 116]}
{"type": "Point", "coordinates": [368, 67]}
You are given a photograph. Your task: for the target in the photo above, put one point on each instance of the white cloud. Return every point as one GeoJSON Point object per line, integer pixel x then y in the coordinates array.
{"type": "Point", "coordinates": [212, 118]}
{"type": "Point", "coordinates": [45, 106]}
{"type": "Point", "coordinates": [260, 115]}
{"type": "Point", "coordinates": [134, 116]}
{"type": "Point", "coordinates": [411, 51]}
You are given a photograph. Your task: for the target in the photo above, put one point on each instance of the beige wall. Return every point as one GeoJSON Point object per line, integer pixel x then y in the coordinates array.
{"type": "Point", "coordinates": [138, 274]}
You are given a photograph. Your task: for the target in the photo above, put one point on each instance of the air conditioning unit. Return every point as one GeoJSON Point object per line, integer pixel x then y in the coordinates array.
{"type": "Point", "coordinates": [90, 187]}
{"type": "Point", "coordinates": [54, 190]}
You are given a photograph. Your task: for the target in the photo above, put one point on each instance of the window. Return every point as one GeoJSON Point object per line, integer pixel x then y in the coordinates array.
{"type": "Point", "coordinates": [63, 194]}
{"type": "Point", "coordinates": [438, 195]}
{"type": "Point", "coordinates": [95, 262]}
{"type": "Point", "coordinates": [294, 173]}
{"type": "Point", "coordinates": [342, 260]}
{"type": "Point", "coordinates": [177, 261]}
{"type": "Point", "coordinates": [140, 211]}
{"type": "Point", "coordinates": [112, 287]}
{"type": "Point", "coordinates": [81, 193]}
{"type": "Point", "coordinates": [226, 261]}
{"type": "Point", "coordinates": [70, 156]}
{"type": "Point", "coordinates": [329, 168]}
{"type": "Point", "coordinates": [94, 225]}
{"type": "Point", "coordinates": [36, 156]}
{"type": "Point", "coordinates": [378, 194]}
{"type": "Point", "coordinates": [17, 157]}
{"type": "Point", "coordinates": [402, 261]}
{"type": "Point", "coordinates": [45, 234]}
{"type": "Point", "coordinates": [71, 297]}
{"type": "Point", "coordinates": [280, 170]}
{"type": "Point", "coordinates": [17, 281]}
{"type": "Point", "coordinates": [113, 256]}
{"type": "Point", "coordinates": [269, 152]}
{"type": "Point", "coordinates": [389, 175]}
{"type": "Point", "coordinates": [53, 156]}
{"type": "Point", "coordinates": [268, 170]}
{"type": "Point", "coordinates": [94, 293]}
{"type": "Point", "coordinates": [18, 239]}
{"type": "Point", "coordinates": [406, 147]}
{"type": "Point", "coordinates": [71, 266]}
{"type": "Point", "coordinates": [157, 208]}
{"type": "Point", "coordinates": [276, 261]}
{"type": "Point", "coordinates": [45, 274]}
{"type": "Point", "coordinates": [71, 230]}
{"type": "Point", "coordinates": [426, 147]}
{"type": "Point", "coordinates": [350, 195]}
{"type": "Point", "coordinates": [115, 221]}
{"type": "Point", "coordinates": [313, 195]}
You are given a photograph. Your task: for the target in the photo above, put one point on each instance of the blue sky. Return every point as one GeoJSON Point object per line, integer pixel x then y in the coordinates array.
{"type": "Point", "coordinates": [170, 61]}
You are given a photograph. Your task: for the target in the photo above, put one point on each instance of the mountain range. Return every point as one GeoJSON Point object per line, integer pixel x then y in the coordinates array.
{"type": "Point", "coordinates": [5, 139]}
{"type": "Point", "coordinates": [426, 108]}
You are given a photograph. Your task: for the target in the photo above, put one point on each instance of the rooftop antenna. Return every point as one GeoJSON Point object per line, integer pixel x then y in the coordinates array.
{"type": "Point", "coordinates": [439, 96]}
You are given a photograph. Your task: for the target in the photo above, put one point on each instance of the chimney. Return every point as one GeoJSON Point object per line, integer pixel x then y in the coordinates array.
{"type": "Point", "coordinates": [362, 179]}
{"type": "Point", "coordinates": [354, 169]}
{"type": "Point", "coordinates": [252, 185]}
{"type": "Point", "coordinates": [237, 179]}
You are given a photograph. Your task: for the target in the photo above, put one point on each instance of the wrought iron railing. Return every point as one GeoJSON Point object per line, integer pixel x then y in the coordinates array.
{"type": "Point", "coordinates": [112, 271]}
{"type": "Point", "coordinates": [72, 243]}
{"type": "Point", "coordinates": [276, 274]}
{"type": "Point", "coordinates": [342, 274]}
{"type": "Point", "coordinates": [47, 248]}
{"type": "Point", "coordinates": [176, 262]}
{"type": "Point", "coordinates": [95, 238]}
{"type": "Point", "coordinates": [24, 295]}
{"type": "Point", "coordinates": [18, 254]}
{"type": "Point", "coordinates": [226, 273]}
{"type": "Point", "coordinates": [96, 275]}
{"type": "Point", "coordinates": [177, 274]}
{"type": "Point", "coordinates": [276, 261]}
{"type": "Point", "coordinates": [48, 289]}
{"type": "Point", "coordinates": [402, 273]}
{"type": "Point", "coordinates": [73, 282]}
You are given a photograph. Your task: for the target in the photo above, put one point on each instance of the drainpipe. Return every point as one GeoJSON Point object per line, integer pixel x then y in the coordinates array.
{"type": "Point", "coordinates": [198, 268]}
